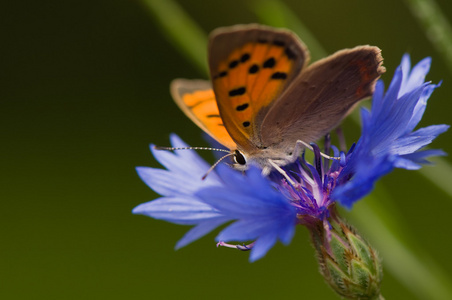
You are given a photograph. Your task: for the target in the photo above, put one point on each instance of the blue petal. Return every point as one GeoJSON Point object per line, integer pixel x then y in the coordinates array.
{"type": "Point", "coordinates": [230, 202]}
{"type": "Point", "coordinates": [377, 98]}
{"type": "Point", "coordinates": [168, 183]}
{"type": "Point", "coordinates": [421, 106]}
{"type": "Point", "coordinates": [243, 205]}
{"type": "Point", "coordinates": [287, 232]}
{"type": "Point", "coordinates": [185, 211]}
{"type": "Point", "coordinates": [386, 128]}
{"type": "Point", "coordinates": [261, 247]}
{"type": "Point", "coordinates": [244, 230]}
{"type": "Point", "coordinates": [405, 64]}
{"type": "Point", "coordinates": [416, 140]}
{"type": "Point", "coordinates": [415, 77]}
{"type": "Point", "coordinates": [433, 130]}
{"type": "Point", "coordinates": [368, 172]}
{"type": "Point", "coordinates": [407, 164]}
{"type": "Point", "coordinates": [200, 230]}
{"type": "Point", "coordinates": [175, 162]}
{"type": "Point", "coordinates": [253, 181]}
{"type": "Point", "coordinates": [390, 98]}
{"type": "Point", "coordinates": [420, 156]}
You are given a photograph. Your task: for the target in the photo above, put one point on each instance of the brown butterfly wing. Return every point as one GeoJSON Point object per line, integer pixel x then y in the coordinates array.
{"type": "Point", "coordinates": [321, 97]}
{"type": "Point", "coordinates": [250, 66]}
{"type": "Point", "coordinates": [197, 101]}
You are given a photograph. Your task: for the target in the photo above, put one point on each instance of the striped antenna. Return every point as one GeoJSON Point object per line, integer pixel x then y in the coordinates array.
{"type": "Point", "coordinates": [200, 148]}
{"type": "Point", "coordinates": [189, 148]}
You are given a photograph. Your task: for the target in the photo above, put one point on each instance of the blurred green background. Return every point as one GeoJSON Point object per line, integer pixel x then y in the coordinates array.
{"type": "Point", "coordinates": [84, 90]}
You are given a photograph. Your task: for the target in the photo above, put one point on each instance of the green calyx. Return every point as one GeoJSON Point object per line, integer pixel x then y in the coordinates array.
{"type": "Point", "coordinates": [347, 262]}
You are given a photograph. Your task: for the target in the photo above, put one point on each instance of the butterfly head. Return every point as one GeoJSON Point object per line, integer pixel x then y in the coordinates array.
{"type": "Point", "coordinates": [243, 160]}
{"type": "Point", "coordinates": [265, 159]}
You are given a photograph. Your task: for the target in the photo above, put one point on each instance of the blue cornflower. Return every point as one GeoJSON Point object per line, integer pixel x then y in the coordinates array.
{"type": "Point", "coordinates": [388, 140]}
{"type": "Point", "coordinates": [266, 209]}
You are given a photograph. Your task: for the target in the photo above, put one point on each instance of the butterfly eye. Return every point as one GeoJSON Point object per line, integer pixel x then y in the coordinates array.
{"type": "Point", "coordinates": [239, 158]}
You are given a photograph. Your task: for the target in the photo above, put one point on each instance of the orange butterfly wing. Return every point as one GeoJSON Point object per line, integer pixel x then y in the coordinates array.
{"type": "Point", "coordinates": [197, 101]}
{"type": "Point", "coordinates": [250, 66]}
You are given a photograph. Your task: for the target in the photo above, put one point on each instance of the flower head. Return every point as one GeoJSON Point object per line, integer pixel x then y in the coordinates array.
{"type": "Point", "coordinates": [266, 209]}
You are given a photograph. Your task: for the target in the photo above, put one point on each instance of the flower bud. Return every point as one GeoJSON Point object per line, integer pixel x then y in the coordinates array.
{"type": "Point", "coordinates": [347, 262]}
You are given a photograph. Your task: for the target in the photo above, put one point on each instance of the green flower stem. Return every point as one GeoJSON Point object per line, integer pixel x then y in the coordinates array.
{"type": "Point", "coordinates": [435, 24]}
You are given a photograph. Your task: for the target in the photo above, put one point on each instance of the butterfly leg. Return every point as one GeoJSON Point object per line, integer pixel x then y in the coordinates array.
{"type": "Point", "coordinates": [283, 173]}
{"type": "Point", "coordinates": [240, 247]}
{"type": "Point", "coordinates": [301, 144]}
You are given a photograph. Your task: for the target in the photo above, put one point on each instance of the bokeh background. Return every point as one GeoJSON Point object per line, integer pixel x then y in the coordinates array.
{"type": "Point", "coordinates": [84, 90]}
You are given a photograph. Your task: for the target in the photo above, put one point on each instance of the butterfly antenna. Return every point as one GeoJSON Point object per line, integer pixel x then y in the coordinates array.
{"type": "Point", "coordinates": [199, 148]}
{"type": "Point", "coordinates": [189, 148]}
{"type": "Point", "coordinates": [216, 164]}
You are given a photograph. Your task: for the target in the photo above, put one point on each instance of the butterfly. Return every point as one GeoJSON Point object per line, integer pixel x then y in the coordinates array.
{"type": "Point", "coordinates": [264, 102]}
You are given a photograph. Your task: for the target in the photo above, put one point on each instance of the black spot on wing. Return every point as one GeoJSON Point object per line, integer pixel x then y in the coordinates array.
{"type": "Point", "coordinates": [237, 92]}
{"type": "Point", "coordinates": [233, 64]}
{"type": "Point", "coordinates": [242, 107]}
{"type": "Point", "coordinates": [220, 75]}
{"type": "Point", "coordinates": [253, 69]}
{"type": "Point", "coordinates": [279, 43]}
{"type": "Point", "coordinates": [279, 75]}
{"type": "Point", "coordinates": [269, 63]}
{"type": "Point", "coordinates": [246, 124]}
{"type": "Point", "coordinates": [213, 116]}
{"type": "Point", "coordinates": [244, 57]}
